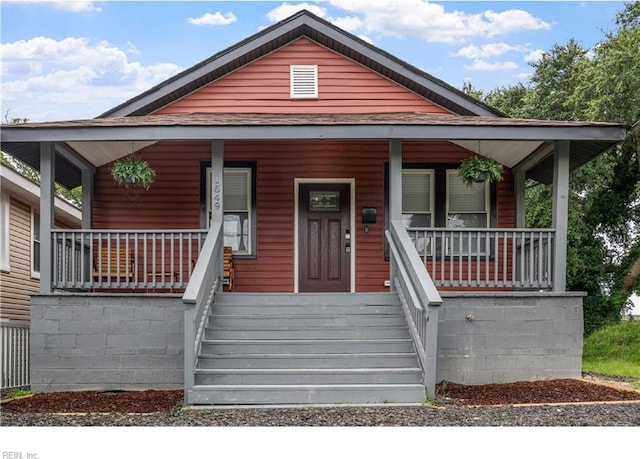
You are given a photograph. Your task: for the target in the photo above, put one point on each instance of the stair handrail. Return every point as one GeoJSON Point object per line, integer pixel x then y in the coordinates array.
{"type": "Point", "coordinates": [198, 297]}
{"type": "Point", "coordinates": [419, 298]}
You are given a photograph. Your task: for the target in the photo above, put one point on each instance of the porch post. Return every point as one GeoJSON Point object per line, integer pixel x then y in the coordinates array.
{"type": "Point", "coordinates": [395, 180]}
{"type": "Point", "coordinates": [560, 213]}
{"type": "Point", "coordinates": [47, 209]}
{"type": "Point", "coordinates": [395, 194]}
{"type": "Point", "coordinates": [217, 177]}
{"type": "Point", "coordinates": [87, 198]}
{"type": "Point", "coordinates": [217, 187]}
{"type": "Point", "coordinates": [521, 211]}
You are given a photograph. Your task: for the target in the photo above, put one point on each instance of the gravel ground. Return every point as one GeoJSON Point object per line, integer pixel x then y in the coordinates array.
{"type": "Point", "coordinates": [622, 414]}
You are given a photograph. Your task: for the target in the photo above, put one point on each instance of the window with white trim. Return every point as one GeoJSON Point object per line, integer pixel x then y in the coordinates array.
{"type": "Point", "coordinates": [418, 203]}
{"type": "Point", "coordinates": [35, 244]}
{"type": "Point", "coordinates": [5, 209]}
{"type": "Point", "coordinates": [467, 207]}
{"type": "Point", "coordinates": [236, 198]}
{"type": "Point", "coordinates": [304, 81]}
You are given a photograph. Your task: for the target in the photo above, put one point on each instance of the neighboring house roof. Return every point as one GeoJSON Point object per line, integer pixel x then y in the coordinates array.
{"type": "Point", "coordinates": [284, 32]}
{"type": "Point", "coordinates": [473, 125]}
{"type": "Point", "coordinates": [15, 184]}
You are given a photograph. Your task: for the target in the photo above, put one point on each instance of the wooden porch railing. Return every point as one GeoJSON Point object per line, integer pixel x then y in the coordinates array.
{"type": "Point", "coordinates": [127, 259]}
{"type": "Point", "coordinates": [487, 257]}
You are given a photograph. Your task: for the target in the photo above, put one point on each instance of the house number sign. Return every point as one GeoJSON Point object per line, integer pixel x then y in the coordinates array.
{"type": "Point", "coordinates": [216, 192]}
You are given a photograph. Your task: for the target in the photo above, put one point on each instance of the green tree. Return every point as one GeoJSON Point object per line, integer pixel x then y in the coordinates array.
{"type": "Point", "coordinates": [74, 196]}
{"type": "Point", "coordinates": [571, 83]}
{"type": "Point", "coordinates": [468, 89]}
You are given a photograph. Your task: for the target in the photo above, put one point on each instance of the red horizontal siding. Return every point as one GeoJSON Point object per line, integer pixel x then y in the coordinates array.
{"type": "Point", "coordinates": [173, 202]}
{"type": "Point", "coordinates": [263, 87]}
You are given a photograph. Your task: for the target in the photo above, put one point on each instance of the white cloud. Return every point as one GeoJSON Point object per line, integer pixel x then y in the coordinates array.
{"type": "Point", "coordinates": [488, 50]}
{"type": "Point", "coordinates": [365, 38]}
{"type": "Point", "coordinates": [484, 66]}
{"type": "Point", "coordinates": [214, 19]}
{"type": "Point", "coordinates": [512, 21]}
{"type": "Point", "coordinates": [45, 79]}
{"type": "Point", "coordinates": [76, 6]}
{"type": "Point", "coordinates": [534, 56]}
{"type": "Point", "coordinates": [348, 23]}
{"type": "Point", "coordinates": [286, 9]}
{"type": "Point", "coordinates": [433, 23]}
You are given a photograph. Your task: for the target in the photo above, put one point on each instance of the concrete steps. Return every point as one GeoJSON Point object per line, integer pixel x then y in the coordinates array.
{"type": "Point", "coordinates": [306, 348]}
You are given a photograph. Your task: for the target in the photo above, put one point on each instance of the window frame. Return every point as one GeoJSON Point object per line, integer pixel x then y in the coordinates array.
{"type": "Point", "coordinates": [431, 212]}
{"type": "Point", "coordinates": [35, 244]}
{"type": "Point", "coordinates": [487, 213]}
{"type": "Point", "coordinates": [205, 200]}
{"type": "Point", "coordinates": [5, 225]}
{"type": "Point", "coordinates": [440, 196]}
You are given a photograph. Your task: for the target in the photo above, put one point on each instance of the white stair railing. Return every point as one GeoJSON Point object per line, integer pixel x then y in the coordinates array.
{"type": "Point", "coordinates": [419, 298]}
{"type": "Point", "coordinates": [198, 297]}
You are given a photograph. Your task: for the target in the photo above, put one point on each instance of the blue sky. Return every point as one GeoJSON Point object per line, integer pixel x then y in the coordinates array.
{"type": "Point", "coordinates": [77, 59]}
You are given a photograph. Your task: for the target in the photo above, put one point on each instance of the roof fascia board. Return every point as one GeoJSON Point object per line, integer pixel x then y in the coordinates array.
{"type": "Point", "coordinates": [200, 70]}
{"type": "Point", "coordinates": [395, 66]}
{"type": "Point", "coordinates": [314, 132]}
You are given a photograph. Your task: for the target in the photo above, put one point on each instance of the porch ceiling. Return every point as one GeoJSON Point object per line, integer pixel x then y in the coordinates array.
{"type": "Point", "coordinates": [509, 140]}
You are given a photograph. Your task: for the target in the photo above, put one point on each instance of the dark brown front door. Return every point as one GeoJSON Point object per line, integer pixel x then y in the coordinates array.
{"type": "Point", "coordinates": [324, 238]}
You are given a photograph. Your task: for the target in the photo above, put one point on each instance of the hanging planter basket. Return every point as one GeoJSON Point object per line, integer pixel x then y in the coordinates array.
{"type": "Point", "coordinates": [479, 169]}
{"type": "Point", "coordinates": [131, 172]}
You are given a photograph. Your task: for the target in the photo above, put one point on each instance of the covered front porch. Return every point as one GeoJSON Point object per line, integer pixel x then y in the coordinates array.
{"type": "Point", "coordinates": [115, 264]}
{"type": "Point", "coordinates": [156, 257]}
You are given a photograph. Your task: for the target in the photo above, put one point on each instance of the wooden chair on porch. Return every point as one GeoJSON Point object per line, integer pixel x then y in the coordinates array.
{"type": "Point", "coordinates": [114, 265]}
{"type": "Point", "coordinates": [228, 272]}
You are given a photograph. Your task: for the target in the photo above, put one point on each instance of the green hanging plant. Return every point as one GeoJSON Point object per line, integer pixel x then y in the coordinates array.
{"type": "Point", "coordinates": [479, 169]}
{"type": "Point", "coordinates": [133, 172]}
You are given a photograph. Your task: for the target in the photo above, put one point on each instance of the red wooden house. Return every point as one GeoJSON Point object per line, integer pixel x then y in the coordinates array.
{"type": "Point", "coordinates": [364, 269]}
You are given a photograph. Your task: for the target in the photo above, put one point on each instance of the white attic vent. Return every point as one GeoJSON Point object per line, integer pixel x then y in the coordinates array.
{"type": "Point", "coordinates": [304, 81]}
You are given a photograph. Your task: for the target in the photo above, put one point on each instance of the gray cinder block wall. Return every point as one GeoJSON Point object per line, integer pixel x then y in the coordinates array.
{"type": "Point", "coordinates": [492, 337]}
{"type": "Point", "coordinates": [114, 342]}
{"type": "Point", "coordinates": [135, 342]}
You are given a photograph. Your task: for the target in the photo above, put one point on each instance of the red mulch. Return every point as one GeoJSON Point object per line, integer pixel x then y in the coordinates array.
{"type": "Point", "coordinates": [148, 401]}
{"type": "Point", "coordinates": [168, 401]}
{"type": "Point", "coordinates": [554, 391]}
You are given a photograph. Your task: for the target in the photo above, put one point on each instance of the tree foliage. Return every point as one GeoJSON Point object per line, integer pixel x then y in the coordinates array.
{"type": "Point", "coordinates": [573, 83]}
{"type": "Point", "coordinates": [74, 196]}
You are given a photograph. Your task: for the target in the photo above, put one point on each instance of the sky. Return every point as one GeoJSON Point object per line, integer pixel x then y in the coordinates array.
{"type": "Point", "coordinates": [77, 59]}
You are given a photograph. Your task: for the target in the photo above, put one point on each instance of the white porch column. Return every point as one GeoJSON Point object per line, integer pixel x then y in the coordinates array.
{"type": "Point", "coordinates": [395, 194]}
{"type": "Point", "coordinates": [217, 182]}
{"type": "Point", "coordinates": [560, 213]}
{"type": "Point", "coordinates": [519, 188]}
{"type": "Point", "coordinates": [217, 177]}
{"type": "Point", "coordinates": [395, 180]}
{"type": "Point", "coordinates": [47, 209]}
{"type": "Point", "coordinates": [87, 198]}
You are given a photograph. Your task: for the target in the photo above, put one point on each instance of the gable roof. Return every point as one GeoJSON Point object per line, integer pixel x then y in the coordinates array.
{"type": "Point", "coordinates": [473, 125]}
{"type": "Point", "coordinates": [286, 31]}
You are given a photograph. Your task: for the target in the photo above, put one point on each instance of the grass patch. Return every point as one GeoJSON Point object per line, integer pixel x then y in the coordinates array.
{"type": "Point", "coordinates": [14, 393]}
{"type": "Point", "coordinates": [613, 350]}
